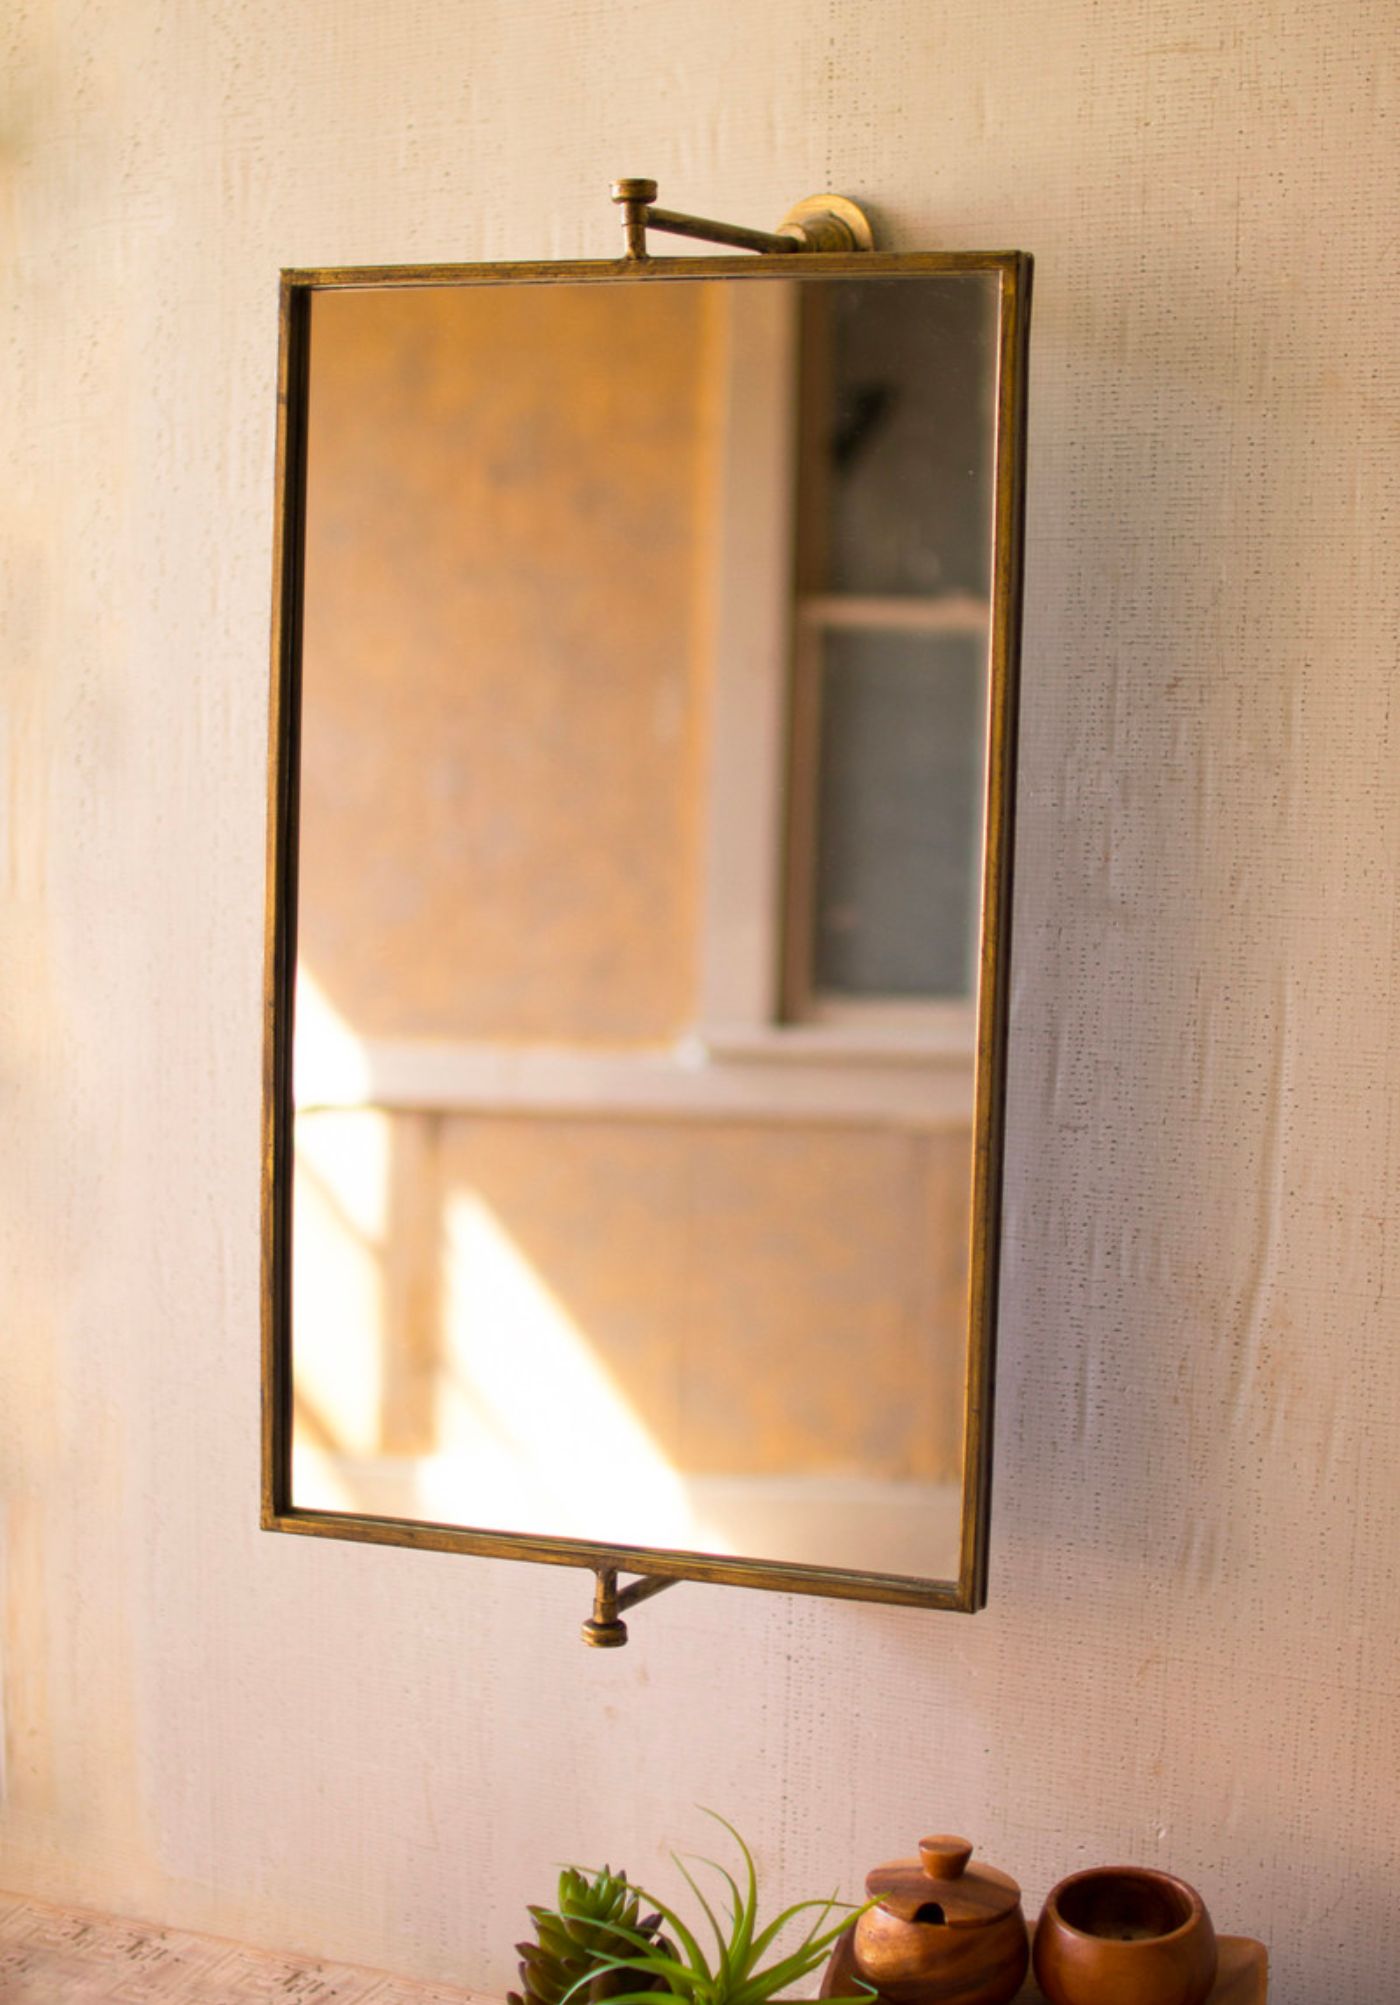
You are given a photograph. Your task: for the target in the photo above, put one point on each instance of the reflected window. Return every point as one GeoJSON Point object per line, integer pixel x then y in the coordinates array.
{"type": "Point", "coordinates": [887, 740]}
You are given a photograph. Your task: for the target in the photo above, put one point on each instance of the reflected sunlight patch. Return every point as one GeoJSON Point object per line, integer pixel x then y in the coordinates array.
{"type": "Point", "coordinates": [543, 1439]}
{"type": "Point", "coordinates": [341, 1200]}
{"type": "Point", "coordinates": [330, 1066]}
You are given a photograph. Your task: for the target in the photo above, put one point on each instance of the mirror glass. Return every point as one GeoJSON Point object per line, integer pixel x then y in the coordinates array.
{"type": "Point", "coordinates": [637, 992]}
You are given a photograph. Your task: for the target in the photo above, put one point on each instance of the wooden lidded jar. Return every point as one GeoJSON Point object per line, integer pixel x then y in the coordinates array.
{"type": "Point", "coordinates": [943, 1933]}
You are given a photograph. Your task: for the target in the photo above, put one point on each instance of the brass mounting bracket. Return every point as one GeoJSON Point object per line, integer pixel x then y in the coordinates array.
{"type": "Point", "coordinates": [605, 1629]}
{"type": "Point", "coordinates": [821, 223]}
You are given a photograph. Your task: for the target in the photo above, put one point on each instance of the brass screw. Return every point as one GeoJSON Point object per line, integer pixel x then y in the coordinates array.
{"type": "Point", "coordinates": [635, 198]}
{"type": "Point", "coordinates": [605, 1629]}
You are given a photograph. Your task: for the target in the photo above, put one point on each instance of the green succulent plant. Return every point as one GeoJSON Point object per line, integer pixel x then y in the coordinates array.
{"type": "Point", "coordinates": [736, 1974]}
{"type": "Point", "coordinates": [594, 1923]}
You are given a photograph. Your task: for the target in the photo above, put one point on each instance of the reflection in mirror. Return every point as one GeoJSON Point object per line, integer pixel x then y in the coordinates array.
{"type": "Point", "coordinates": [645, 631]}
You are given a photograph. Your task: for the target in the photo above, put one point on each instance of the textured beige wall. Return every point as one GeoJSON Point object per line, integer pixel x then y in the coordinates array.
{"type": "Point", "coordinates": [1189, 1656]}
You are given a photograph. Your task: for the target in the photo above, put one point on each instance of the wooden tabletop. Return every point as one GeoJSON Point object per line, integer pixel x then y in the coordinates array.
{"type": "Point", "coordinates": [69, 1956]}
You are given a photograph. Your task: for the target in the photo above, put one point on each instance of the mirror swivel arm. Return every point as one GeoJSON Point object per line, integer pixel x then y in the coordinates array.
{"type": "Point", "coordinates": [605, 1629]}
{"type": "Point", "coordinates": [821, 223]}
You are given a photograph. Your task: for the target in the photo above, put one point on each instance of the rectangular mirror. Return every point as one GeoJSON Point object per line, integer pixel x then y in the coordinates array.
{"type": "Point", "coordinates": [642, 769]}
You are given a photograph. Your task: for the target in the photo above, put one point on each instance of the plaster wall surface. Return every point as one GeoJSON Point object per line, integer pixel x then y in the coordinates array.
{"type": "Point", "coordinates": [1189, 1657]}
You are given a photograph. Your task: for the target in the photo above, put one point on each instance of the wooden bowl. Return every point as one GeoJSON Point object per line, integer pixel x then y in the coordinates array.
{"type": "Point", "coordinates": [1124, 1935]}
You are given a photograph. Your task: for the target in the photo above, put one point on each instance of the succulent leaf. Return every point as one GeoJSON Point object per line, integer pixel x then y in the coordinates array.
{"type": "Point", "coordinates": [583, 1940]}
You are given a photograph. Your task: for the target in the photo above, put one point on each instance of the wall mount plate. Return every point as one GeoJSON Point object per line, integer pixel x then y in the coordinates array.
{"type": "Point", "coordinates": [829, 223]}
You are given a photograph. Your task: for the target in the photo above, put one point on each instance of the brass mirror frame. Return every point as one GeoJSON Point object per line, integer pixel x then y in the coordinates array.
{"type": "Point", "coordinates": [298, 288]}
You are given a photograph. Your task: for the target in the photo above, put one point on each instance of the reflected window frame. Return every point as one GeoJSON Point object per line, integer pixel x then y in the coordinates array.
{"type": "Point", "coordinates": [778, 612]}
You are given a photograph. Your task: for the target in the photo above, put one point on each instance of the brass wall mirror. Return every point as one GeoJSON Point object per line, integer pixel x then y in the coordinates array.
{"type": "Point", "coordinates": [642, 767]}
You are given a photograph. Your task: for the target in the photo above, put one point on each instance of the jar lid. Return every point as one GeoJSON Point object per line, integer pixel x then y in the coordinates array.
{"type": "Point", "coordinates": [938, 1886]}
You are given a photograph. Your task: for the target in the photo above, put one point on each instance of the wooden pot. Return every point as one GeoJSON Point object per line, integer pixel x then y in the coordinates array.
{"type": "Point", "coordinates": [1124, 1935]}
{"type": "Point", "coordinates": [940, 1934]}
